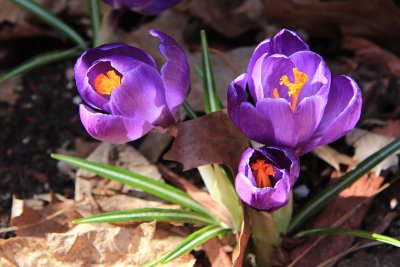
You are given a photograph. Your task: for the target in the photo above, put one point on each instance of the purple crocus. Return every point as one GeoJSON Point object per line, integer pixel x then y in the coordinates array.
{"type": "Point", "coordinates": [125, 94]}
{"type": "Point", "coordinates": [266, 176]}
{"type": "Point", "coordinates": [288, 98]}
{"type": "Point", "coordinates": [147, 7]}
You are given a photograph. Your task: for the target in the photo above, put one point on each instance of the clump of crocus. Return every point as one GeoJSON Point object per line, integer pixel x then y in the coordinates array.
{"type": "Point", "coordinates": [148, 7]}
{"type": "Point", "coordinates": [125, 94]}
{"type": "Point", "coordinates": [288, 98]}
{"type": "Point", "coordinates": [266, 176]}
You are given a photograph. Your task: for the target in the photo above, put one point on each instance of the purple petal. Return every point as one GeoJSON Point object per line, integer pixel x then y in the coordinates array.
{"type": "Point", "coordinates": [282, 121]}
{"type": "Point", "coordinates": [112, 128]}
{"type": "Point", "coordinates": [236, 96]}
{"type": "Point", "coordinates": [287, 43]}
{"type": "Point", "coordinates": [319, 75]}
{"type": "Point", "coordinates": [270, 198]}
{"type": "Point", "coordinates": [88, 59]}
{"type": "Point", "coordinates": [175, 72]}
{"type": "Point", "coordinates": [273, 68]}
{"type": "Point", "coordinates": [148, 7]}
{"type": "Point", "coordinates": [141, 95]}
{"type": "Point", "coordinates": [261, 50]}
{"type": "Point", "coordinates": [342, 111]}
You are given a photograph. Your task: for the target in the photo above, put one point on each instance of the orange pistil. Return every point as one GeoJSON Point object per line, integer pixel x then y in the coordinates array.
{"type": "Point", "coordinates": [262, 172]}
{"type": "Point", "coordinates": [300, 79]}
{"type": "Point", "coordinates": [105, 83]}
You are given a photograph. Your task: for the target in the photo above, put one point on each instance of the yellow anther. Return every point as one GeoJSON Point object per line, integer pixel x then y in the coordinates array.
{"type": "Point", "coordinates": [105, 83]}
{"type": "Point", "coordinates": [300, 79]}
{"type": "Point", "coordinates": [261, 172]}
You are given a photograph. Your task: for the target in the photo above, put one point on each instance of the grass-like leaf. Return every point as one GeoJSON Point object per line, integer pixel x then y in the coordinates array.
{"type": "Point", "coordinates": [95, 17]}
{"type": "Point", "coordinates": [189, 110]}
{"type": "Point", "coordinates": [39, 61]}
{"type": "Point", "coordinates": [195, 239]}
{"type": "Point", "coordinates": [357, 233]}
{"type": "Point", "coordinates": [52, 20]}
{"type": "Point", "coordinates": [324, 197]}
{"type": "Point", "coordinates": [151, 186]}
{"type": "Point", "coordinates": [149, 214]}
{"type": "Point", "coordinates": [211, 100]}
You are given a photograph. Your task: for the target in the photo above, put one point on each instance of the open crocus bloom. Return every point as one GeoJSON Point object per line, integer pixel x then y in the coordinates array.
{"type": "Point", "coordinates": [288, 98]}
{"type": "Point", "coordinates": [125, 94]}
{"type": "Point", "coordinates": [266, 176]}
{"type": "Point", "coordinates": [148, 7]}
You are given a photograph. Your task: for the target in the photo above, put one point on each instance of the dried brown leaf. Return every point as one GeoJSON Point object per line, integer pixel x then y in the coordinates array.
{"type": "Point", "coordinates": [210, 139]}
{"type": "Point", "coordinates": [369, 53]}
{"type": "Point", "coordinates": [346, 211]}
{"type": "Point", "coordinates": [351, 17]}
{"type": "Point", "coordinates": [37, 221]}
{"type": "Point", "coordinates": [243, 240]}
{"type": "Point", "coordinates": [332, 157]}
{"type": "Point", "coordinates": [366, 143]}
{"type": "Point", "coordinates": [215, 207]}
{"type": "Point", "coordinates": [216, 254]}
{"type": "Point", "coordinates": [94, 245]}
{"type": "Point", "coordinates": [391, 128]}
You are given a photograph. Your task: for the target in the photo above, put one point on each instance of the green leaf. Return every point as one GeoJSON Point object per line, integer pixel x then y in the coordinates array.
{"type": "Point", "coordinates": [189, 111]}
{"type": "Point", "coordinates": [95, 17]}
{"type": "Point", "coordinates": [40, 60]}
{"type": "Point", "coordinates": [151, 186]}
{"type": "Point", "coordinates": [357, 233]}
{"type": "Point", "coordinates": [324, 197]}
{"type": "Point", "coordinates": [195, 239]}
{"type": "Point", "coordinates": [211, 100]}
{"type": "Point", "coordinates": [149, 214]}
{"type": "Point", "coordinates": [52, 20]}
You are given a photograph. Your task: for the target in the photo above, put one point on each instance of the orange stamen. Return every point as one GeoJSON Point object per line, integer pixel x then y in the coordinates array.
{"type": "Point", "coordinates": [300, 79]}
{"type": "Point", "coordinates": [276, 93]}
{"type": "Point", "coordinates": [105, 83]}
{"type": "Point", "coordinates": [261, 172]}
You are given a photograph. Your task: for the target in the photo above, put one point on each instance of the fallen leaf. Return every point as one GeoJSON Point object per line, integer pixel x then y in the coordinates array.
{"type": "Point", "coordinates": [210, 139]}
{"type": "Point", "coordinates": [369, 53]}
{"type": "Point", "coordinates": [332, 157]}
{"type": "Point", "coordinates": [37, 221]}
{"type": "Point", "coordinates": [8, 92]}
{"type": "Point", "coordinates": [227, 17]}
{"type": "Point", "coordinates": [215, 207]}
{"type": "Point", "coordinates": [366, 143]}
{"type": "Point", "coordinates": [242, 241]}
{"type": "Point", "coordinates": [17, 22]}
{"type": "Point", "coordinates": [346, 211]}
{"type": "Point", "coordinates": [351, 17]}
{"type": "Point", "coordinates": [391, 128]}
{"type": "Point", "coordinates": [216, 254]}
{"type": "Point", "coordinates": [94, 245]}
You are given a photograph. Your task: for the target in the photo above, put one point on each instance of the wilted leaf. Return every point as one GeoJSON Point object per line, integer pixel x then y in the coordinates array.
{"type": "Point", "coordinates": [216, 254]}
{"type": "Point", "coordinates": [391, 128]}
{"type": "Point", "coordinates": [8, 92]}
{"type": "Point", "coordinates": [37, 221]}
{"type": "Point", "coordinates": [226, 16]}
{"type": "Point", "coordinates": [17, 22]}
{"type": "Point", "coordinates": [214, 207]}
{"type": "Point", "coordinates": [242, 241]}
{"type": "Point", "coordinates": [94, 245]}
{"type": "Point", "coordinates": [370, 53]}
{"type": "Point", "coordinates": [351, 17]}
{"type": "Point", "coordinates": [332, 157]}
{"type": "Point", "coordinates": [366, 143]}
{"type": "Point", "coordinates": [346, 211]}
{"type": "Point", "coordinates": [210, 139]}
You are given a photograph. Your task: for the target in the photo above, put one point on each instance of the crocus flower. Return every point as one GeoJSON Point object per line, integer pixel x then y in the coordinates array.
{"type": "Point", "coordinates": [288, 98]}
{"type": "Point", "coordinates": [126, 95]}
{"type": "Point", "coordinates": [266, 176]}
{"type": "Point", "coordinates": [148, 7]}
